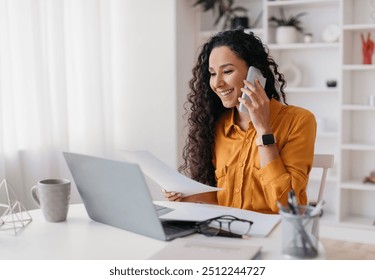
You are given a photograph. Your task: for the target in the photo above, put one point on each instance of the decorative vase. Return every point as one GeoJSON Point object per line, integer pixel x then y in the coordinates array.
{"type": "Point", "coordinates": [292, 73]}
{"type": "Point", "coordinates": [286, 35]}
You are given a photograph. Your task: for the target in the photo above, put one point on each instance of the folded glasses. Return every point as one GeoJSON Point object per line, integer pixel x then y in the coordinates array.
{"type": "Point", "coordinates": [232, 224]}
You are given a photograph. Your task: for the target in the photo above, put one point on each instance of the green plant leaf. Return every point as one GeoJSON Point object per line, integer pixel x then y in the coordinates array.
{"type": "Point", "coordinates": [287, 21]}
{"type": "Point", "coordinates": [206, 4]}
{"type": "Point", "coordinates": [222, 8]}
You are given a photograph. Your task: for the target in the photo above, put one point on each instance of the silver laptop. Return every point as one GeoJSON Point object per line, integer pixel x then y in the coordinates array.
{"type": "Point", "coordinates": [115, 193]}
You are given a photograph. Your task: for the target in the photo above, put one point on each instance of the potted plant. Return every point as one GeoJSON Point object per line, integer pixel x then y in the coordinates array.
{"type": "Point", "coordinates": [287, 28]}
{"type": "Point", "coordinates": [232, 16]}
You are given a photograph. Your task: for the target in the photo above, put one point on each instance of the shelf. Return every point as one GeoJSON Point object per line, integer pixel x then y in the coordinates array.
{"type": "Point", "coordinates": [348, 107]}
{"type": "Point", "coordinates": [303, 46]}
{"type": "Point", "coordinates": [359, 221]}
{"type": "Point", "coordinates": [304, 3]}
{"type": "Point", "coordinates": [358, 27]}
{"type": "Point", "coordinates": [311, 90]}
{"type": "Point", "coordinates": [359, 67]}
{"type": "Point", "coordinates": [357, 186]}
{"type": "Point", "coordinates": [358, 147]}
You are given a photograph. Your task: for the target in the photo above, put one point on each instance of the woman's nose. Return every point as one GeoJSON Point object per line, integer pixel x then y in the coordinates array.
{"type": "Point", "coordinates": [219, 81]}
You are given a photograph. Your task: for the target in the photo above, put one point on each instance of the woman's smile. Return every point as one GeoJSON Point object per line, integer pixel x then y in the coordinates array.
{"type": "Point", "coordinates": [225, 92]}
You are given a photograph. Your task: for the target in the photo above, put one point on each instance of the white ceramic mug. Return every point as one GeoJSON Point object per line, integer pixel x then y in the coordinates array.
{"type": "Point", "coordinates": [52, 196]}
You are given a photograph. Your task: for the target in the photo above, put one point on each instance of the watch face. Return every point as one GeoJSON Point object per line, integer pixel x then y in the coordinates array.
{"type": "Point", "coordinates": [268, 139]}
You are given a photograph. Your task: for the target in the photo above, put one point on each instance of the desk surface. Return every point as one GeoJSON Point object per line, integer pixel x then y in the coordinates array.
{"type": "Point", "coordinates": [81, 238]}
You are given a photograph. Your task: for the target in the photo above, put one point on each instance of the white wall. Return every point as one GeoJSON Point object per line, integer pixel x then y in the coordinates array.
{"type": "Point", "coordinates": [185, 58]}
{"type": "Point", "coordinates": [144, 63]}
{"type": "Point", "coordinates": [157, 51]}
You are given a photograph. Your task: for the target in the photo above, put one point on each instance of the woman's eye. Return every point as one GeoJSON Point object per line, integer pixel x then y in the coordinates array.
{"type": "Point", "coordinates": [212, 74]}
{"type": "Point", "coordinates": [228, 71]}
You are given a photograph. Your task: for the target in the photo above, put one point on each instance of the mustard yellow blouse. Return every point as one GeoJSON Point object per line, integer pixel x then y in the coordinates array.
{"type": "Point", "coordinates": [237, 166]}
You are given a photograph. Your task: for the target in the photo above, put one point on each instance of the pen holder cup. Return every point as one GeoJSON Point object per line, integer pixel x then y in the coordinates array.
{"type": "Point", "coordinates": [300, 237]}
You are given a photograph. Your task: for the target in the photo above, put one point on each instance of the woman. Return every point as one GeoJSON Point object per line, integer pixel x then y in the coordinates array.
{"type": "Point", "coordinates": [256, 157]}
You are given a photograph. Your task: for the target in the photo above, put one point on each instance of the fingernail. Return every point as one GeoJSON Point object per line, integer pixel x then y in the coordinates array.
{"type": "Point", "coordinates": [173, 193]}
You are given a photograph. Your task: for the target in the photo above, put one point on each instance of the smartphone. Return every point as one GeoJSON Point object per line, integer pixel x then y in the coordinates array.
{"type": "Point", "coordinates": [252, 73]}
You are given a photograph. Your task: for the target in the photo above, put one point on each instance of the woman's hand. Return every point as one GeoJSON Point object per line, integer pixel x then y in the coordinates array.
{"type": "Point", "coordinates": [259, 108]}
{"type": "Point", "coordinates": [209, 197]}
{"type": "Point", "coordinates": [172, 196]}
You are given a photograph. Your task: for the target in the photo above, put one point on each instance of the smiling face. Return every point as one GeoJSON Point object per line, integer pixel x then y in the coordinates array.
{"type": "Point", "coordinates": [227, 72]}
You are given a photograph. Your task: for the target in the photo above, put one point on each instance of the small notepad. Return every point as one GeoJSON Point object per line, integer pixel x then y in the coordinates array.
{"type": "Point", "coordinates": [190, 249]}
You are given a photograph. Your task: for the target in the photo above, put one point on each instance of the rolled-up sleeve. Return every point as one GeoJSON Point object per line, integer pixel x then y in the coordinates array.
{"type": "Point", "coordinates": [292, 169]}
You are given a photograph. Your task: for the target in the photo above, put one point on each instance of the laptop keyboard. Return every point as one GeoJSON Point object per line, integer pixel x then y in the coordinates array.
{"type": "Point", "coordinates": [174, 227]}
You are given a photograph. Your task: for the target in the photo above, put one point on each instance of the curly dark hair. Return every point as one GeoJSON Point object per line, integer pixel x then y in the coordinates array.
{"type": "Point", "coordinates": [205, 106]}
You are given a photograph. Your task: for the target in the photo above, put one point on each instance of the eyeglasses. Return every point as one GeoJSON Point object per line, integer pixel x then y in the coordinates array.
{"type": "Point", "coordinates": [232, 224]}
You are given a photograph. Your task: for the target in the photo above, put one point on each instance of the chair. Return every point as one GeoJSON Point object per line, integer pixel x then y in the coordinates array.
{"type": "Point", "coordinates": [324, 161]}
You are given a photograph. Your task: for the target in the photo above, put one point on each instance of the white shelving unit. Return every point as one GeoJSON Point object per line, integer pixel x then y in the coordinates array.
{"type": "Point", "coordinates": [312, 93]}
{"type": "Point", "coordinates": [357, 141]}
{"type": "Point", "coordinates": [346, 122]}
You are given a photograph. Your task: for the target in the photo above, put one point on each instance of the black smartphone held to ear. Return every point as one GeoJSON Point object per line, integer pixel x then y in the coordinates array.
{"type": "Point", "coordinates": [252, 73]}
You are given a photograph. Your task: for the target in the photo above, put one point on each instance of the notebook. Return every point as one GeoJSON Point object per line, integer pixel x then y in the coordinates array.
{"type": "Point", "coordinates": [115, 193]}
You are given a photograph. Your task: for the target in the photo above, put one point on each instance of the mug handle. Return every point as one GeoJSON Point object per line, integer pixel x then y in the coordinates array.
{"type": "Point", "coordinates": [34, 195]}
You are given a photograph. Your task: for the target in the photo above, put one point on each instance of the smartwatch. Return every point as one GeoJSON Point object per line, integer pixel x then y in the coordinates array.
{"type": "Point", "coordinates": [265, 140]}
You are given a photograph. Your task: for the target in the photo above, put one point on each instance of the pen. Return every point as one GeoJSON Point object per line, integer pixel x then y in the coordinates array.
{"type": "Point", "coordinates": [294, 199]}
{"type": "Point", "coordinates": [292, 202]}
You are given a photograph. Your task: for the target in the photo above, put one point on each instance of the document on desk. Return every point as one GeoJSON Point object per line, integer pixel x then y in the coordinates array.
{"type": "Point", "coordinates": [192, 249]}
{"type": "Point", "coordinates": [165, 176]}
{"type": "Point", "coordinates": [185, 211]}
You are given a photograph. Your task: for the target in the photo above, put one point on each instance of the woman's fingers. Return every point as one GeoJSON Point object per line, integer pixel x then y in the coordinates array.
{"type": "Point", "coordinates": [258, 107]}
{"type": "Point", "coordinates": [255, 91]}
{"type": "Point", "coordinates": [172, 196]}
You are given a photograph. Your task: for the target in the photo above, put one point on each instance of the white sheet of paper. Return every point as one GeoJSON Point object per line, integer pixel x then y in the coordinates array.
{"type": "Point", "coordinates": [191, 249]}
{"type": "Point", "coordinates": [185, 211]}
{"type": "Point", "coordinates": [164, 175]}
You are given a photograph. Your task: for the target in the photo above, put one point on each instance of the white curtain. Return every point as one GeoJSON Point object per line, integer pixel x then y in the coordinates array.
{"type": "Point", "coordinates": [68, 82]}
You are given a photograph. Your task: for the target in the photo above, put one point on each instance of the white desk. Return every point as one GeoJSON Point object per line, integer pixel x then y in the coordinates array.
{"type": "Point", "coordinates": [81, 238]}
